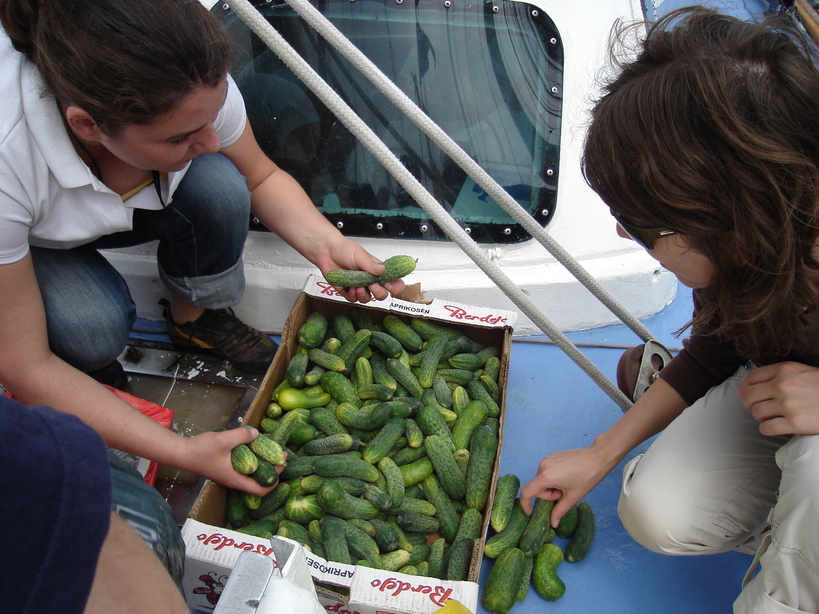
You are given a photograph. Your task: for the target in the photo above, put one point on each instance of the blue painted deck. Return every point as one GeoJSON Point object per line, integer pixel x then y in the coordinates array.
{"type": "Point", "coordinates": [553, 405]}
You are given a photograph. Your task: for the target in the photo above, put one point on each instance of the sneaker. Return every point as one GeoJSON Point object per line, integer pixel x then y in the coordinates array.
{"type": "Point", "coordinates": [220, 332]}
{"type": "Point", "coordinates": [111, 375]}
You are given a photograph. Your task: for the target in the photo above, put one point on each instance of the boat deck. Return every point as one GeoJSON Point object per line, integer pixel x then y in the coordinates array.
{"type": "Point", "coordinates": [551, 404]}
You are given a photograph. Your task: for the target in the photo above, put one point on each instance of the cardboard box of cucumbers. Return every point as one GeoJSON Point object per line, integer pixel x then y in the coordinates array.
{"type": "Point", "coordinates": [391, 414]}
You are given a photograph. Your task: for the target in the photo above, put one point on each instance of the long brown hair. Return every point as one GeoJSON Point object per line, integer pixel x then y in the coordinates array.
{"type": "Point", "coordinates": [123, 61]}
{"type": "Point", "coordinates": [712, 130]}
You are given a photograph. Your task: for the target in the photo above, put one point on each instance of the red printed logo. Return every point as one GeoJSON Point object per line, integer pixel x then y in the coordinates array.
{"type": "Point", "coordinates": [340, 609]}
{"type": "Point", "coordinates": [459, 313]}
{"type": "Point", "coordinates": [437, 594]}
{"type": "Point", "coordinates": [327, 289]}
{"type": "Point", "coordinates": [219, 541]}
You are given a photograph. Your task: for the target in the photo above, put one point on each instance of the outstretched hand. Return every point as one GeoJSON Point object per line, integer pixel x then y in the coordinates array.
{"type": "Point", "coordinates": [783, 397]}
{"type": "Point", "coordinates": [210, 456]}
{"type": "Point", "coordinates": [565, 477]}
{"type": "Point", "coordinates": [347, 254]}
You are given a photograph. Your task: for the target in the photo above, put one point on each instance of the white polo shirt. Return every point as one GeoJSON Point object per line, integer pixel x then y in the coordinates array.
{"type": "Point", "coordinates": [48, 196]}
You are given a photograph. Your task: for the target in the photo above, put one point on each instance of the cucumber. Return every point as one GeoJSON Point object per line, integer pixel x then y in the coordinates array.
{"type": "Point", "coordinates": [471, 525]}
{"type": "Point", "coordinates": [451, 478]}
{"type": "Point", "coordinates": [436, 558]}
{"type": "Point", "coordinates": [404, 377]}
{"type": "Point", "coordinates": [499, 592]}
{"type": "Point", "coordinates": [482, 451]}
{"type": "Point", "coordinates": [408, 455]}
{"type": "Point", "coordinates": [235, 509]}
{"type": "Point", "coordinates": [506, 492]}
{"type": "Point", "coordinates": [568, 524]}
{"type": "Point", "coordinates": [537, 529]}
{"type": "Point", "coordinates": [581, 541]}
{"type": "Point", "coordinates": [266, 448]}
{"type": "Point", "coordinates": [370, 418]}
{"type": "Point", "coordinates": [363, 373]}
{"type": "Point", "coordinates": [408, 338]}
{"type": "Point", "coordinates": [416, 471]}
{"type": "Point", "coordinates": [432, 354]}
{"type": "Point", "coordinates": [336, 465]}
{"type": "Point", "coordinates": [509, 536]}
{"type": "Point", "coordinates": [361, 318]}
{"type": "Point", "coordinates": [325, 421]}
{"type": "Point", "coordinates": [332, 444]}
{"type": "Point", "coordinates": [326, 360]}
{"type": "Point", "coordinates": [243, 459]}
{"type": "Point", "coordinates": [460, 398]}
{"type": "Point", "coordinates": [477, 392]}
{"type": "Point", "coordinates": [421, 523]}
{"type": "Point", "coordinates": [442, 392]}
{"type": "Point", "coordinates": [378, 362]}
{"type": "Point", "coordinates": [265, 474]}
{"type": "Point", "coordinates": [354, 347]}
{"type": "Point", "coordinates": [395, 560]}
{"type": "Point", "coordinates": [460, 557]}
{"type": "Point", "coordinates": [462, 377]}
{"type": "Point", "coordinates": [335, 541]}
{"type": "Point", "coordinates": [271, 501]}
{"type": "Point", "coordinates": [332, 498]}
{"type": "Point", "coordinates": [467, 361]}
{"type": "Point", "coordinates": [311, 333]}
{"type": "Point", "coordinates": [432, 422]}
{"type": "Point", "coordinates": [297, 467]}
{"type": "Point", "coordinates": [394, 268]}
{"type": "Point", "coordinates": [414, 434]}
{"type": "Point", "coordinates": [343, 328]}
{"type": "Point", "coordinates": [379, 392]}
{"type": "Point", "coordinates": [296, 370]}
{"type": "Point", "coordinates": [387, 344]}
{"type": "Point", "coordinates": [387, 437]}
{"type": "Point", "coordinates": [386, 535]}
{"type": "Point", "coordinates": [470, 418]}
{"type": "Point", "coordinates": [380, 499]}
{"type": "Point", "coordinates": [428, 329]}
{"type": "Point", "coordinates": [340, 388]}
{"type": "Point", "coordinates": [292, 398]}
{"type": "Point", "coordinates": [445, 511]}
{"type": "Point", "coordinates": [526, 580]}
{"type": "Point", "coordinates": [544, 573]}
{"type": "Point", "coordinates": [297, 531]}
{"type": "Point", "coordinates": [362, 545]}
{"type": "Point", "coordinates": [422, 506]}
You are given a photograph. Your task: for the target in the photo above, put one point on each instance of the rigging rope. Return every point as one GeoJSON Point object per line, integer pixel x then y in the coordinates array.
{"type": "Point", "coordinates": [256, 22]}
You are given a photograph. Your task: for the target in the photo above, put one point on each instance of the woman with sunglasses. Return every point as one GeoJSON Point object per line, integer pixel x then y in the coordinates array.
{"type": "Point", "coordinates": [121, 125]}
{"type": "Point", "coordinates": [705, 146]}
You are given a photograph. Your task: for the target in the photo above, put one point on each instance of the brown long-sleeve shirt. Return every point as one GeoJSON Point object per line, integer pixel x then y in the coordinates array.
{"type": "Point", "coordinates": [705, 361]}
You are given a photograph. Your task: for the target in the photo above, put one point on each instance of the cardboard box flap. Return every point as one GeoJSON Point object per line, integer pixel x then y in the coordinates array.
{"type": "Point", "coordinates": [436, 309]}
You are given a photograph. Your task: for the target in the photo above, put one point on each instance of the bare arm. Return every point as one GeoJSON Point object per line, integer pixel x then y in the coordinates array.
{"type": "Point", "coordinates": [283, 206]}
{"type": "Point", "coordinates": [37, 377]}
{"type": "Point", "coordinates": [569, 475]}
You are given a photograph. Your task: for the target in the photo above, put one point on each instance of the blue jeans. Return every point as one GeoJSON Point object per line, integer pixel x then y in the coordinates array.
{"type": "Point", "coordinates": [201, 233]}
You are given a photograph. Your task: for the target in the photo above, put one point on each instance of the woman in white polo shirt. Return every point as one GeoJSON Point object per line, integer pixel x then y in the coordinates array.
{"type": "Point", "coordinates": [121, 126]}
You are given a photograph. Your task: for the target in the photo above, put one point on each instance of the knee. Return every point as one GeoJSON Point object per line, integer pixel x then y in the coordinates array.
{"type": "Point", "coordinates": [661, 518]}
{"type": "Point", "coordinates": [93, 337]}
{"type": "Point", "coordinates": [216, 191]}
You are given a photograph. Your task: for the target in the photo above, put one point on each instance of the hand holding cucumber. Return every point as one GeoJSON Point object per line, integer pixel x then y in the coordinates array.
{"type": "Point", "coordinates": [366, 275]}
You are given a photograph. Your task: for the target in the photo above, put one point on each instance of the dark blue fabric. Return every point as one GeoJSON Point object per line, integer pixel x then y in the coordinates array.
{"type": "Point", "coordinates": [55, 507]}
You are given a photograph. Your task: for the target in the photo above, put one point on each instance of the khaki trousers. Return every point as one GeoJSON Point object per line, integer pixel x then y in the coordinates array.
{"type": "Point", "coordinates": [711, 482]}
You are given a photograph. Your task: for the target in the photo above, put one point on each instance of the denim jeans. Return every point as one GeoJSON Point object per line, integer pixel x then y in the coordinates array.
{"type": "Point", "coordinates": [201, 233]}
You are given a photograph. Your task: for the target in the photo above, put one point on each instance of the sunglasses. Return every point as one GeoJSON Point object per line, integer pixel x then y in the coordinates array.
{"type": "Point", "coordinates": [644, 237]}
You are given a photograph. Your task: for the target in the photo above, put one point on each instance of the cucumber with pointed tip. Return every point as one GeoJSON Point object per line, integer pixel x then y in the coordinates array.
{"type": "Point", "coordinates": [500, 591]}
{"type": "Point", "coordinates": [312, 332]}
{"type": "Point", "coordinates": [581, 541]}
{"type": "Point", "coordinates": [506, 492]}
{"type": "Point", "coordinates": [395, 267]}
{"type": "Point", "coordinates": [544, 573]}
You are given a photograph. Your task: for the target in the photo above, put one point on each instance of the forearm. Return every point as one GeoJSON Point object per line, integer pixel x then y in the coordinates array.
{"type": "Point", "coordinates": [56, 384]}
{"type": "Point", "coordinates": [283, 207]}
{"type": "Point", "coordinates": [652, 412]}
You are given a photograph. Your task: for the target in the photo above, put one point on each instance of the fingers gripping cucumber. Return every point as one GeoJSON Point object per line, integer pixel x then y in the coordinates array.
{"type": "Point", "coordinates": [394, 268]}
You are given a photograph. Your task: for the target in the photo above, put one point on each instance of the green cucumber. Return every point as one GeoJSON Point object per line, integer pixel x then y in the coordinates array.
{"type": "Point", "coordinates": [537, 529]}
{"type": "Point", "coordinates": [544, 573]}
{"type": "Point", "coordinates": [450, 476]}
{"type": "Point", "coordinates": [311, 333]}
{"type": "Point", "coordinates": [509, 536]}
{"type": "Point", "coordinates": [506, 492]}
{"type": "Point", "coordinates": [499, 592]}
{"type": "Point", "coordinates": [482, 451]}
{"type": "Point", "coordinates": [581, 541]}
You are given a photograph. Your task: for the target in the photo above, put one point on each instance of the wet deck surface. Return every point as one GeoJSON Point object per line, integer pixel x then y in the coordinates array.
{"type": "Point", "coordinates": [551, 405]}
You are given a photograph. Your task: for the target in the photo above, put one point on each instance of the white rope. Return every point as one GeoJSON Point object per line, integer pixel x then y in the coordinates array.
{"type": "Point", "coordinates": [437, 213]}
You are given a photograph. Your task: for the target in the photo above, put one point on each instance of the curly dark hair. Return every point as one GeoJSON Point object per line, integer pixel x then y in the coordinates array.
{"type": "Point", "coordinates": [122, 61]}
{"type": "Point", "coordinates": [711, 129]}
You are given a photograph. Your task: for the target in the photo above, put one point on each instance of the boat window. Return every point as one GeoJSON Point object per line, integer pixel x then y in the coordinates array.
{"type": "Point", "coordinates": [489, 74]}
